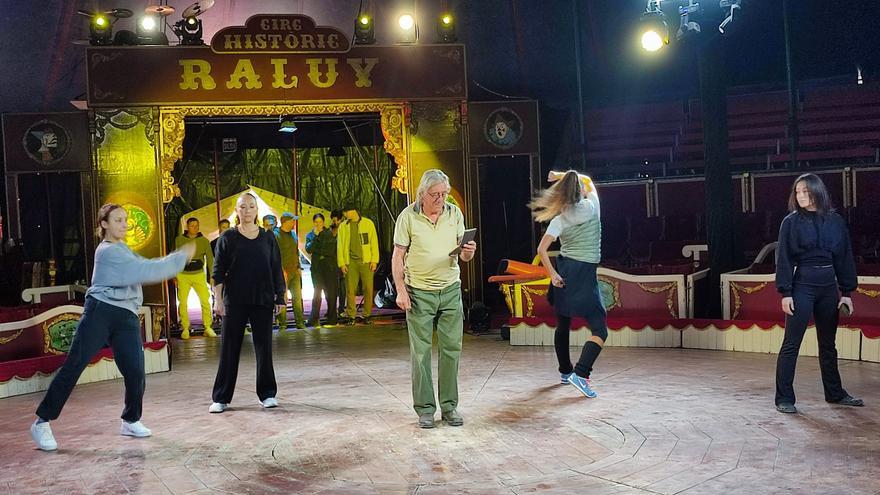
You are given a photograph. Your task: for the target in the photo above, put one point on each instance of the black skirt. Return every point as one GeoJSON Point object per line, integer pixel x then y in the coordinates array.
{"type": "Point", "coordinates": [580, 296]}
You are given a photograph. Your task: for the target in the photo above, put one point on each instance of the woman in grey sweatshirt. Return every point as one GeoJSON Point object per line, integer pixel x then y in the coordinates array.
{"type": "Point", "coordinates": [110, 316]}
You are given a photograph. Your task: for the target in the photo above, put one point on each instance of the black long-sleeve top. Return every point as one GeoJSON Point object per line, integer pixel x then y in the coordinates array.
{"type": "Point", "coordinates": [249, 269]}
{"type": "Point", "coordinates": [809, 239]}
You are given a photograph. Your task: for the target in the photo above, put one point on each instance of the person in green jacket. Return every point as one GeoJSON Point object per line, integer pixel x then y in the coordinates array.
{"type": "Point", "coordinates": [321, 245]}
{"type": "Point", "coordinates": [193, 277]}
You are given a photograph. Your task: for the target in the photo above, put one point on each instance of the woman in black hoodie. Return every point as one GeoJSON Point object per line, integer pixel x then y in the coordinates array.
{"type": "Point", "coordinates": [814, 261]}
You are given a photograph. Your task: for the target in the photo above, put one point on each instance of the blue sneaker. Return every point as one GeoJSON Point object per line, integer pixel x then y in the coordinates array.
{"type": "Point", "coordinates": [583, 386]}
{"type": "Point", "coordinates": [563, 378]}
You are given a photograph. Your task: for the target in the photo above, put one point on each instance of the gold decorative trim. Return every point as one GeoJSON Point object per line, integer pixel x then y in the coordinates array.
{"type": "Point", "coordinates": [172, 130]}
{"type": "Point", "coordinates": [869, 293]}
{"type": "Point", "coordinates": [669, 289]}
{"type": "Point", "coordinates": [736, 288]}
{"type": "Point", "coordinates": [507, 290]}
{"type": "Point", "coordinates": [47, 346]}
{"type": "Point", "coordinates": [527, 293]}
{"type": "Point", "coordinates": [615, 290]}
{"type": "Point", "coordinates": [6, 340]}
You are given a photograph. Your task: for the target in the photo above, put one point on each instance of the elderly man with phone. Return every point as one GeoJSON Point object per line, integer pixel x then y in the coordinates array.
{"type": "Point", "coordinates": [429, 241]}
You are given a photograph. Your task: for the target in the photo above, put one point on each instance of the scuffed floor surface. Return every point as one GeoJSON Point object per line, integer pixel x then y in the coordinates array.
{"type": "Point", "coordinates": [666, 421]}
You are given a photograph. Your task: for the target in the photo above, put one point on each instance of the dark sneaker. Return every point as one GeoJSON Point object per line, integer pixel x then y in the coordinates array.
{"type": "Point", "coordinates": [786, 408]}
{"type": "Point", "coordinates": [358, 320]}
{"type": "Point", "coordinates": [563, 378]}
{"type": "Point", "coordinates": [583, 386]}
{"type": "Point", "coordinates": [426, 420]}
{"type": "Point", "coordinates": [452, 418]}
{"type": "Point", "coordinates": [368, 320]}
{"type": "Point", "coordinates": [849, 401]}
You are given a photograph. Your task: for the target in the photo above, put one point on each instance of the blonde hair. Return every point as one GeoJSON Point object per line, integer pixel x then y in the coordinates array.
{"type": "Point", "coordinates": [556, 198]}
{"type": "Point", "coordinates": [256, 217]}
{"type": "Point", "coordinates": [104, 216]}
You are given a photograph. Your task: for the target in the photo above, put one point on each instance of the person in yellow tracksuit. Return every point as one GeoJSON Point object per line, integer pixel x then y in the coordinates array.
{"type": "Point", "coordinates": [357, 254]}
{"type": "Point", "coordinates": [193, 277]}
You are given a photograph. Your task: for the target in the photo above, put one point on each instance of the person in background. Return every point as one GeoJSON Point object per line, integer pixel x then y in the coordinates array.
{"type": "Point", "coordinates": [336, 219]}
{"type": "Point", "coordinates": [194, 277]}
{"type": "Point", "coordinates": [270, 223]}
{"type": "Point", "coordinates": [110, 315]}
{"type": "Point", "coordinates": [357, 254]}
{"type": "Point", "coordinates": [288, 243]}
{"type": "Point", "coordinates": [249, 283]}
{"type": "Point", "coordinates": [321, 245]}
{"type": "Point", "coordinates": [222, 225]}
{"type": "Point", "coordinates": [815, 273]}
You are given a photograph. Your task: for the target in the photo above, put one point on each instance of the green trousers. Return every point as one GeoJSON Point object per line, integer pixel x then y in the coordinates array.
{"type": "Point", "coordinates": [358, 273]}
{"type": "Point", "coordinates": [294, 285]}
{"type": "Point", "coordinates": [441, 309]}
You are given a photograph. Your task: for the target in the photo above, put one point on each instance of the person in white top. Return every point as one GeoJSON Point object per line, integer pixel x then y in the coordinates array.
{"type": "Point", "coordinates": [572, 207]}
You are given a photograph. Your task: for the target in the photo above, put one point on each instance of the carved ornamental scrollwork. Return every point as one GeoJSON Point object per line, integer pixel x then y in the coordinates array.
{"type": "Point", "coordinates": [172, 130]}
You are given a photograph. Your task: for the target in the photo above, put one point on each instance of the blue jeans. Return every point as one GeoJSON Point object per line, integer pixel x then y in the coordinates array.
{"type": "Point", "coordinates": [101, 323]}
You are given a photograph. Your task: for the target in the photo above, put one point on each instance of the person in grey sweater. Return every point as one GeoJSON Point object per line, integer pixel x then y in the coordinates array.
{"type": "Point", "coordinates": [110, 316]}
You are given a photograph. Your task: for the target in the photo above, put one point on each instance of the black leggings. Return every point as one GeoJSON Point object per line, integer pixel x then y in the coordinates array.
{"type": "Point", "coordinates": [595, 311]}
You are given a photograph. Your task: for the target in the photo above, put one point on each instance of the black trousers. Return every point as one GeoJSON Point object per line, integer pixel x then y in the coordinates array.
{"type": "Point", "coordinates": [580, 296]}
{"type": "Point", "coordinates": [260, 318]}
{"type": "Point", "coordinates": [101, 323]}
{"type": "Point", "coordinates": [324, 280]}
{"type": "Point", "coordinates": [820, 303]}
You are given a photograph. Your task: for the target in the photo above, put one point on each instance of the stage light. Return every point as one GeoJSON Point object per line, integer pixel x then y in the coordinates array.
{"type": "Point", "coordinates": [653, 26]}
{"type": "Point", "coordinates": [732, 6]}
{"type": "Point", "coordinates": [148, 23]}
{"type": "Point", "coordinates": [688, 28]}
{"type": "Point", "coordinates": [446, 29]}
{"type": "Point", "coordinates": [189, 31]}
{"type": "Point", "coordinates": [364, 32]}
{"type": "Point", "coordinates": [288, 126]}
{"type": "Point", "coordinates": [408, 28]}
{"type": "Point", "coordinates": [406, 22]}
{"type": "Point", "coordinates": [100, 30]}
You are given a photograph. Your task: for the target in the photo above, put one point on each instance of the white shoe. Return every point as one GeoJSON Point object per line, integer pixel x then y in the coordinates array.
{"type": "Point", "coordinates": [136, 429]}
{"type": "Point", "coordinates": [218, 407]}
{"type": "Point", "coordinates": [43, 437]}
{"type": "Point", "coordinates": [269, 403]}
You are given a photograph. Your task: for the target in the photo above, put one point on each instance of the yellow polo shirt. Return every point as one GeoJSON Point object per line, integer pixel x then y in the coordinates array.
{"type": "Point", "coordinates": [427, 265]}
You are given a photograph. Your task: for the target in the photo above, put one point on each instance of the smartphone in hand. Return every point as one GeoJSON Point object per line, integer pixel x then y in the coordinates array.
{"type": "Point", "coordinates": [469, 235]}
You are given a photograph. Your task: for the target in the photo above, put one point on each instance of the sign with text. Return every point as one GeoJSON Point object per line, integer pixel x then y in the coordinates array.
{"type": "Point", "coordinates": [120, 76]}
{"type": "Point", "coordinates": [280, 33]}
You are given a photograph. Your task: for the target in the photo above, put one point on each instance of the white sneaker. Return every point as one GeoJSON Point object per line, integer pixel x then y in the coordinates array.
{"type": "Point", "coordinates": [136, 429]}
{"type": "Point", "coordinates": [43, 437]}
{"type": "Point", "coordinates": [269, 403]}
{"type": "Point", "coordinates": [218, 407]}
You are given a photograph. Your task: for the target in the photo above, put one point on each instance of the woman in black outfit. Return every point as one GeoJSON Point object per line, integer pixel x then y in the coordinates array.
{"type": "Point", "coordinates": [813, 261]}
{"type": "Point", "coordinates": [250, 284]}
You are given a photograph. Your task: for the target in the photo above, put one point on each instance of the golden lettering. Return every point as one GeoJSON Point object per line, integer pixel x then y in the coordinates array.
{"type": "Point", "coordinates": [260, 41]}
{"type": "Point", "coordinates": [362, 70]}
{"type": "Point", "coordinates": [244, 69]}
{"type": "Point", "coordinates": [194, 72]}
{"type": "Point", "coordinates": [283, 25]}
{"type": "Point", "coordinates": [279, 75]}
{"type": "Point", "coordinates": [232, 42]}
{"type": "Point", "coordinates": [307, 42]}
{"type": "Point", "coordinates": [315, 72]}
{"type": "Point", "coordinates": [333, 41]}
{"type": "Point", "coordinates": [274, 39]}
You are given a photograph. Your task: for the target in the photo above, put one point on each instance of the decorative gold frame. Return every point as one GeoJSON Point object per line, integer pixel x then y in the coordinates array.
{"type": "Point", "coordinates": [171, 131]}
{"type": "Point", "coordinates": [669, 289]}
{"type": "Point", "coordinates": [736, 288]}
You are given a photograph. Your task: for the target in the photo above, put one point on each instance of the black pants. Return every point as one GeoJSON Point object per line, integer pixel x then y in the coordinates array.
{"type": "Point", "coordinates": [260, 318]}
{"type": "Point", "coordinates": [819, 302]}
{"type": "Point", "coordinates": [324, 279]}
{"type": "Point", "coordinates": [101, 323]}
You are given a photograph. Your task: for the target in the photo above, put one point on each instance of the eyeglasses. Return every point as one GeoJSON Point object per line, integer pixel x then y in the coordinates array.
{"type": "Point", "coordinates": [438, 195]}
